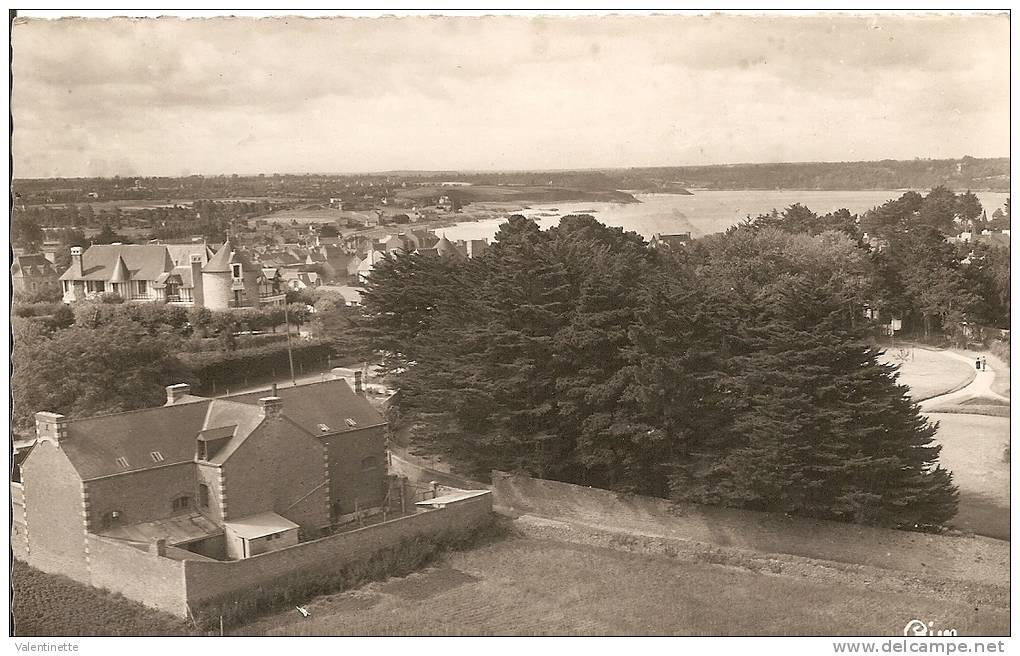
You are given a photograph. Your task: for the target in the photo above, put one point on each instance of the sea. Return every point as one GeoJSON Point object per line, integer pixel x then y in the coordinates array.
{"type": "Point", "coordinates": [702, 213]}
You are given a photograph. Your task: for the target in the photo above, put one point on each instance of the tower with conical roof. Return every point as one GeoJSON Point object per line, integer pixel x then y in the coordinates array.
{"type": "Point", "coordinates": [217, 279]}
{"type": "Point", "coordinates": [229, 280]}
{"type": "Point", "coordinates": [445, 248]}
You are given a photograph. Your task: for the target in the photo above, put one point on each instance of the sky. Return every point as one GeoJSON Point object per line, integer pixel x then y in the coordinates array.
{"type": "Point", "coordinates": [103, 97]}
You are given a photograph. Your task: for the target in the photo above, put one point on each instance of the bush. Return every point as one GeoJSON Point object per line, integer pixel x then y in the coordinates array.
{"type": "Point", "coordinates": [42, 309]}
{"type": "Point", "coordinates": [1000, 348]}
{"type": "Point", "coordinates": [51, 294]}
{"type": "Point", "coordinates": [401, 559]}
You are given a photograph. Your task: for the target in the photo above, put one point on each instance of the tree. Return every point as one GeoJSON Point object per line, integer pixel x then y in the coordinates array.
{"type": "Point", "coordinates": [733, 371]}
{"type": "Point", "coordinates": [26, 233]}
{"type": "Point", "coordinates": [813, 424]}
{"type": "Point", "coordinates": [939, 210]}
{"type": "Point", "coordinates": [968, 207]}
{"type": "Point", "coordinates": [82, 372]}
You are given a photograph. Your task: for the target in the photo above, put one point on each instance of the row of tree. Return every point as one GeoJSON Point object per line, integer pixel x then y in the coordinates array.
{"type": "Point", "coordinates": [736, 372]}
{"type": "Point", "coordinates": [913, 272]}
{"type": "Point", "coordinates": [97, 357]}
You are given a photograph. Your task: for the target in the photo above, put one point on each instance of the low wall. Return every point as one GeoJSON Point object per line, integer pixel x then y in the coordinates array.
{"type": "Point", "coordinates": [205, 580]}
{"type": "Point", "coordinates": [155, 581]}
{"type": "Point", "coordinates": [971, 558]}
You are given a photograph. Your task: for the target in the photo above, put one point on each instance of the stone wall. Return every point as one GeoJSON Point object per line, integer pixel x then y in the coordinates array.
{"type": "Point", "coordinates": [156, 581]}
{"type": "Point", "coordinates": [207, 580]}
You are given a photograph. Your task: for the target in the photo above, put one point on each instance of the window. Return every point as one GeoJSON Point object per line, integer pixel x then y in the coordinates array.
{"type": "Point", "coordinates": [369, 463]}
{"type": "Point", "coordinates": [324, 428]}
{"type": "Point", "coordinates": [235, 270]}
{"type": "Point", "coordinates": [156, 456]}
{"type": "Point", "coordinates": [140, 288]}
{"type": "Point", "coordinates": [122, 461]}
{"type": "Point", "coordinates": [182, 503]}
{"type": "Point", "coordinates": [203, 495]}
{"type": "Point", "coordinates": [350, 422]}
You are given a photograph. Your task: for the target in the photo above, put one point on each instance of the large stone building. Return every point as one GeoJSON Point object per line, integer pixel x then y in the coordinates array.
{"type": "Point", "coordinates": [222, 479]}
{"type": "Point", "coordinates": [180, 274]}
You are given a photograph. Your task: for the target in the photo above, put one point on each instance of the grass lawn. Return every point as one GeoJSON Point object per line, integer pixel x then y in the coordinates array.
{"type": "Point", "coordinates": [525, 586]}
{"type": "Point", "coordinates": [972, 448]}
{"type": "Point", "coordinates": [928, 373]}
{"type": "Point", "coordinates": [51, 605]}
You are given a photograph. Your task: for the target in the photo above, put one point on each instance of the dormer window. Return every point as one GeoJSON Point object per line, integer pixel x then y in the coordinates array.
{"type": "Point", "coordinates": [122, 462]}
{"type": "Point", "coordinates": [156, 456]}
{"type": "Point", "coordinates": [350, 422]}
{"type": "Point", "coordinates": [324, 428]}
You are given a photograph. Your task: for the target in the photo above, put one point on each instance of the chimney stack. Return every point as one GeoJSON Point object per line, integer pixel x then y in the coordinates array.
{"type": "Point", "coordinates": [51, 426]}
{"type": "Point", "coordinates": [272, 406]}
{"type": "Point", "coordinates": [274, 389]}
{"type": "Point", "coordinates": [158, 547]}
{"type": "Point", "coordinates": [358, 387]}
{"type": "Point", "coordinates": [175, 392]}
{"type": "Point", "coordinates": [197, 293]}
{"type": "Point", "coordinates": [76, 262]}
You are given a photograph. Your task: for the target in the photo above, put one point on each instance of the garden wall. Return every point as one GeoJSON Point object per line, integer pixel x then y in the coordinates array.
{"type": "Point", "coordinates": [963, 557]}
{"type": "Point", "coordinates": [205, 580]}
{"type": "Point", "coordinates": [153, 580]}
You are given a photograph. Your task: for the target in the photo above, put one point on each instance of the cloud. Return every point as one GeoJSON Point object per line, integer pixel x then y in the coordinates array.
{"type": "Point", "coordinates": [223, 95]}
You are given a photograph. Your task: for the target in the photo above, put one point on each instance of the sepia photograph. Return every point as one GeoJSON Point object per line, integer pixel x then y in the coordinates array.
{"type": "Point", "coordinates": [510, 323]}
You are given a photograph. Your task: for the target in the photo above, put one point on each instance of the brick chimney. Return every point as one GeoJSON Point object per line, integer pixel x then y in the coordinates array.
{"type": "Point", "coordinates": [77, 270]}
{"type": "Point", "coordinates": [198, 291]}
{"type": "Point", "coordinates": [272, 406]}
{"type": "Point", "coordinates": [358, 387]}
{"type": "Point", "coordinates": [175, 392]}
{"type": "Point", "coordinates": [158, 547]}
{"type": "Point", "coordinates": [50, 426]}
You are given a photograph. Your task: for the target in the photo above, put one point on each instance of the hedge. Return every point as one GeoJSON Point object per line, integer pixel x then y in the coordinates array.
{"type": "Point", "coordinates": [231, 368]}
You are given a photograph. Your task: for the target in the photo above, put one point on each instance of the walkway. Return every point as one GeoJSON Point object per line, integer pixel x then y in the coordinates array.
{"type": "Point", "coordinates": [981, 386]}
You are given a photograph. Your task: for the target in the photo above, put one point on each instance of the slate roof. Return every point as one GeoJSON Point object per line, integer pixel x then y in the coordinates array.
{"type": "Point", "coordinates": [220, 262]}
{"type": "Point", "coordinates": [330, 402]}
{"type": "Point", "coordinates": [100, 446]}
{"type": "Point", "coordinates": [32, 265]}
{"type": "Point", "coordinates": [143, 261]}
{"type": "Point", "coordinates": [181, 253]}
{"type": "Point", "coordinates": [93, 445]}
{"type": "Point", "coordinates": [164, 436]}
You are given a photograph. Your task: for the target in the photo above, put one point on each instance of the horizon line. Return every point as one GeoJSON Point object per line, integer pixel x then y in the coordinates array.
{"type": "Point", "coordinates": [466, 171]}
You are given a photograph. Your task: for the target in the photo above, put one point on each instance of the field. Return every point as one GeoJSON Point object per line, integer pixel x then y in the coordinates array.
{"type": "Point", "coordinates": [527, 586]}
{"type": "Point", "coordinates": [49, 605]}
{"type": "Point", "coordinates": [972, 448]}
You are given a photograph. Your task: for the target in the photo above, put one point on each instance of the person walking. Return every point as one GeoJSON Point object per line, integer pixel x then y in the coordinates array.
{"type": "Point", "coordinates": [984, 363]}
{"type": "Point", "coordinates": [977, 364]}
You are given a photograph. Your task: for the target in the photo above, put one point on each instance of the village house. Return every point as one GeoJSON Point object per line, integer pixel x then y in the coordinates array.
{"type": "Point", "coordinates": [678, 240]}
{"type": "Point", "coordinates": [179, 274]}
{"type": "Point", "coordinates": [222, 479]}
{"type": "Point", "coordinates": [33, 273]}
